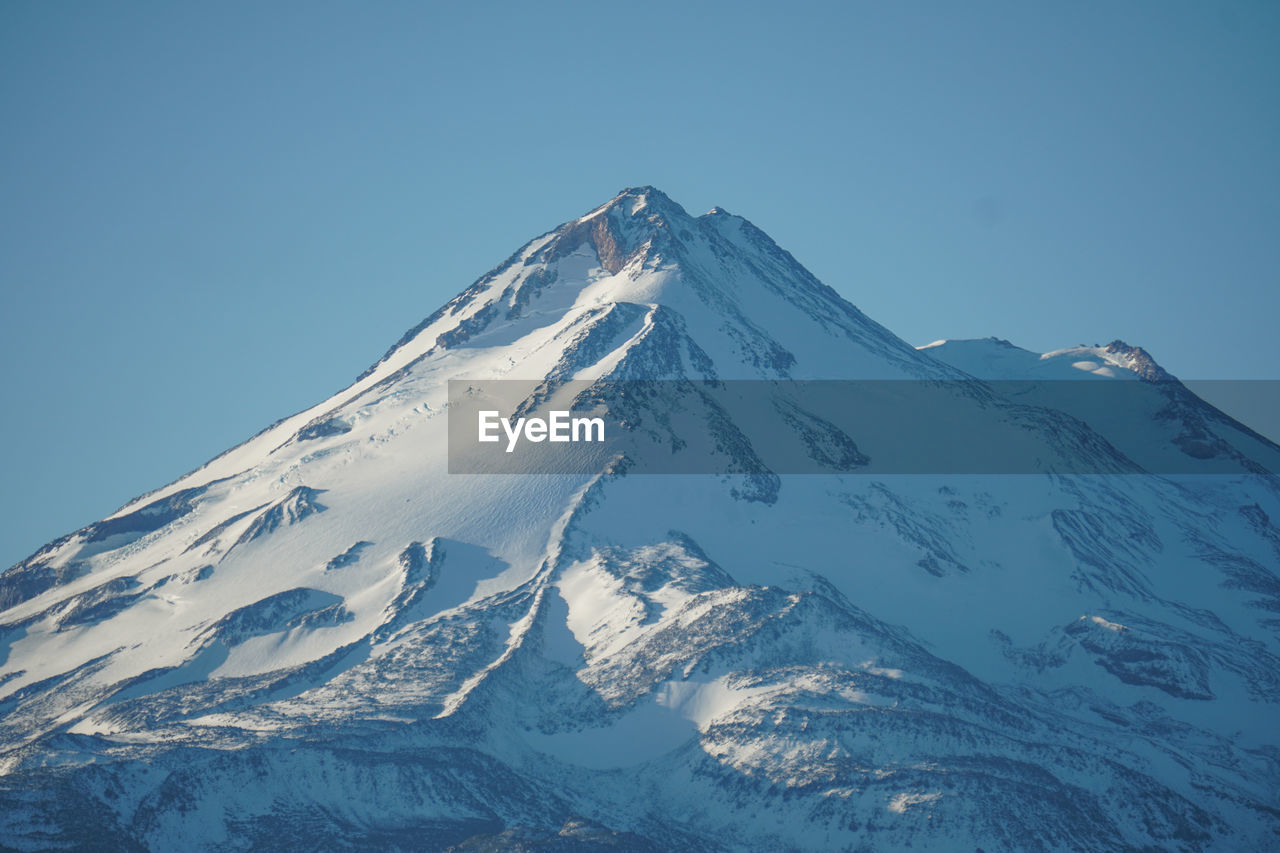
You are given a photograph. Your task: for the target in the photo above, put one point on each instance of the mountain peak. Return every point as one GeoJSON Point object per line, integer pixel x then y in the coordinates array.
{"type": "Point", "coordinates": [1139, 361]}
{"type": "Point", "coordinates": [645, 192]}
{"type": "Point", "coordinates": [996, 358]}
{"type": "Point", "coordinates": [715, 276]}
{"type": "Point", "coordinates": [639, 203]}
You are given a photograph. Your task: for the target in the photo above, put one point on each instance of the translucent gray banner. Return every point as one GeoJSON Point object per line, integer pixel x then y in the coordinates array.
{"type": "Point", "coordinates": [1092, 426]}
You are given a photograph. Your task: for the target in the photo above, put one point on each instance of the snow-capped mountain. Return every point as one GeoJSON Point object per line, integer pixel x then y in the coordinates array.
{"type": "Point", "coordinates": [322, 638]}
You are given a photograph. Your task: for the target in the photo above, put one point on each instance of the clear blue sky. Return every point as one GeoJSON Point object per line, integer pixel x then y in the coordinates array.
{"type": "Point", "coordinates": [214, 215]}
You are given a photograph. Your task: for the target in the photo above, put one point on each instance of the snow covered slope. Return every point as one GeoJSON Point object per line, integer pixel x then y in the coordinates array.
{"type": "Point", "coordinates": [322, 638]}
{"type": "Point", "coordinates": [994, 358]}
{"type": "Point", "coordinates": [1143, 410]}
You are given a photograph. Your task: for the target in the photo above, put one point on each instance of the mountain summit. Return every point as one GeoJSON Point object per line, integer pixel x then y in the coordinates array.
{"type": "Point", "coordinates": [322, 638]}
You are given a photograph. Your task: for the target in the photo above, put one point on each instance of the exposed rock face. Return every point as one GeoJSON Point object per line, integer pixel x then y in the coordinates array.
{"type": "Point", "coordinates": [1140, 362]}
